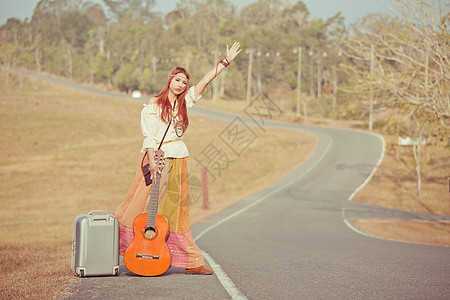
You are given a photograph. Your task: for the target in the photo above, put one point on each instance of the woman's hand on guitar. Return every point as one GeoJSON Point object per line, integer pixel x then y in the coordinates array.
{"type": "Point", "coordinates": [158, 162]}
{"type": "Point", "coordinates": [154, 171]}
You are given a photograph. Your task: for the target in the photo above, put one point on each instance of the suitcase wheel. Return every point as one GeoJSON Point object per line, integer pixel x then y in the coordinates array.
{"type": "Point", "coordinates": [81, 273]}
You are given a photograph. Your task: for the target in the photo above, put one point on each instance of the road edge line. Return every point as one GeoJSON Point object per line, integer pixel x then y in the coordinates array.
{"type": "Point", "coordinates": [364, 184]}
{"type": "Point", "coordinates": [224, 280]}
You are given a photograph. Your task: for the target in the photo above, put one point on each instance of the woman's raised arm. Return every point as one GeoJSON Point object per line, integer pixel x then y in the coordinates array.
{"type": "Point", "coordinates": [229, 57]}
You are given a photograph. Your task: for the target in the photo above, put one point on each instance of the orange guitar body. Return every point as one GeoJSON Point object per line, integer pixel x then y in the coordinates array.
{"type": "Point", "coordinates": [148, 256]}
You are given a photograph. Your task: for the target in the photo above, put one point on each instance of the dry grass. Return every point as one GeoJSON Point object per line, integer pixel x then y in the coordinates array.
{"type": "Point", "coordinates": [408, 231]}
{"type": "Point", "coordinates": [393, 186]}
{"type": "Point", "coordinates": [65, 152]}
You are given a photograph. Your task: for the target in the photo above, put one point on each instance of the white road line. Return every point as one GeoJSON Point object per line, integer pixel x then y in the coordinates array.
{"type": "Point", "coordinates": [366, 182]}
{"type": "Point", "coordinates": [374, 169]}
{"type": "Point", "coordinates": [357, 230]}
{"type": "Point", "coordinates": [330, 142]}
{"type": "Point", "coordinates": [221, 275]}
{"type": "Point", "coordinates": [224, 279]}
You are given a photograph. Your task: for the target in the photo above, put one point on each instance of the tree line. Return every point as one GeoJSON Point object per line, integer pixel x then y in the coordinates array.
{"type": "Point", "coordinates": [124, 43]}
{"type": "Point", "coordinates": [380, 62]}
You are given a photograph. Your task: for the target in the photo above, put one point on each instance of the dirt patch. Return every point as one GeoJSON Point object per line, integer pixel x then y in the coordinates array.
{"type": "Point", "coordinates": [421, 232]}
{"type": "Point", "coordinates": [393, 186]}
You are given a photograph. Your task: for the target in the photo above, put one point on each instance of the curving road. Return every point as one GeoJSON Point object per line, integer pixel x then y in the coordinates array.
{"type": "Point", "coordinates": [292, 240]}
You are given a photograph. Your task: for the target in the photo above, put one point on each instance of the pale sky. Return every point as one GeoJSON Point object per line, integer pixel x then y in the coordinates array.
{"type": "Point", "coordinates": [351, 9]}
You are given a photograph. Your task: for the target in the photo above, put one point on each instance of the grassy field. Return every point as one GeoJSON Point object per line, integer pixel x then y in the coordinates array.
{"type": "Point", "coordinates": [393, 186]}
{"type": "Point", "coordinates": [65, 152]}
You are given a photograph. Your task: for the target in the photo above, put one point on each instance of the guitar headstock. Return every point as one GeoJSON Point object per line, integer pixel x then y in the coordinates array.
{"type": "Point", "coordinates": [159, 158]}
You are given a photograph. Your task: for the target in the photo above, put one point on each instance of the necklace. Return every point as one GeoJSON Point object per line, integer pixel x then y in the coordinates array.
{"type": "Point", "coordinates": [177, 124]}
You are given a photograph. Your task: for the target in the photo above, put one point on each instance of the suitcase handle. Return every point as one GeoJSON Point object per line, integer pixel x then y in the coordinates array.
{"type": "Point", "coordinates": [98, 215]}
{"type": "Point", "coordinates": [97, 212]}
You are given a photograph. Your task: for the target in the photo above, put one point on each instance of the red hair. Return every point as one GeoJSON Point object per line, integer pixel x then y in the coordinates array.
{"type": "Point", "coordinates": [164, 103]}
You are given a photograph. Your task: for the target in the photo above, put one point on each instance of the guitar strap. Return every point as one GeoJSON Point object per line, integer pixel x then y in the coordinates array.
{"type": "Point", "coordinates": [174, 103]}
{"type": "Point", "coordinates": [146, 169]}
{"type": "Point", "coordinates": [160, 144]}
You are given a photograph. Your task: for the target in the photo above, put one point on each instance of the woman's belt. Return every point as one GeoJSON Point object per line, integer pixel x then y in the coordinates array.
{"type": "Point", "coordinates": [175, 140]}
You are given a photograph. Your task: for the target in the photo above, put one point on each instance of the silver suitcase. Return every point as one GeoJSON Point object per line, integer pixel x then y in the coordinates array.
{"type": "Point", "coordinates": [95, 244]}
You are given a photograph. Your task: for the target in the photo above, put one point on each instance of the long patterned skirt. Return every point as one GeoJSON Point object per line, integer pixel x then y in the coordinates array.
{"type": "Point", "coordinates": [173, 203]}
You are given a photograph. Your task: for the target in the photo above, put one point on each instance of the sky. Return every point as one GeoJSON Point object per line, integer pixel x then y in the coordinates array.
{"type": "Point", "coordinates": [351, 9]}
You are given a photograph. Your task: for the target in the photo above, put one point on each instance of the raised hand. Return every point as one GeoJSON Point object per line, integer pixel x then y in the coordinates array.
{"type": "Point", "coordinates": [233, 51]}
{"type": "Point", "coordinates": [222, 64]}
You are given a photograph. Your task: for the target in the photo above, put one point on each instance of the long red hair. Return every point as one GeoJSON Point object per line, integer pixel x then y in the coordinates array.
{"type": "Point", "coordinates": [164, 103]}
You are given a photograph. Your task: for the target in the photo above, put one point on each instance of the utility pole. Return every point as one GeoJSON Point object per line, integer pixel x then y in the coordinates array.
{"type": "Point", "coordinates": [299, 80]}
{"type": "Point", "coordinates": [319, 78]}
{"type": "Point", "coordinates": [311, 74]}
{"type": "Point", "coordinates": [154, 65]}
{"type": "Point", "coordinates": [372, 62]}
{"type": "Point", "coordinates": [249, 77]}
{"type": "Point", "coordinates": [335, 87]}
{"type": "Point", "coordinates": [320, 63]}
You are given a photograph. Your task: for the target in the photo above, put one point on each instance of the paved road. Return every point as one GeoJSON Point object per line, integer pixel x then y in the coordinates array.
{"type": "Point", "coordinates": [291, 240]}
{"type": "Point", "coordinates": [294, 243]}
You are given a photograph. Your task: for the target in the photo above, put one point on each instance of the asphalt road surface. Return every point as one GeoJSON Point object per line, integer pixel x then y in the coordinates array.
{"type": "Point", "coordinates": [294, 240]}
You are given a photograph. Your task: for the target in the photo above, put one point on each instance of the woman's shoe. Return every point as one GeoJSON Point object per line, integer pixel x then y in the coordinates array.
{"type": "Point", "coordinates": [199, 271]}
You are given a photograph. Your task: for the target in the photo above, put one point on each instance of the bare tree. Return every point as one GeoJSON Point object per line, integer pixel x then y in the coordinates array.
{"type": "Point", "coordinates": [407, 58]}
{"type": "Point", "coordinates": [412, 59]}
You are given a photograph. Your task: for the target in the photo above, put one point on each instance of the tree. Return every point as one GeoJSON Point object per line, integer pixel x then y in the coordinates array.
{"type": "Point", "coordinates": [408, 59]}
{"type": "Point", "coordinates": [293, 19]}
{"type": "Point", "coordinates": [126, 78]}
{"type": "Point", "coordinates": [130, 9]}
{"type": "Point", "coordinates": [93, 41]}
{"type": "Point", "coordinates": [412, 59]}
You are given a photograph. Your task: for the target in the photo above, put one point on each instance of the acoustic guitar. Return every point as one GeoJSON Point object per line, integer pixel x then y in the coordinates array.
{"type": "Point", "coordinates": [148, 254]}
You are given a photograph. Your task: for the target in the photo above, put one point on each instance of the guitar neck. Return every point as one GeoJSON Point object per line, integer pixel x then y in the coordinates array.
{"type": "Point", "coordinates": [153, 203]}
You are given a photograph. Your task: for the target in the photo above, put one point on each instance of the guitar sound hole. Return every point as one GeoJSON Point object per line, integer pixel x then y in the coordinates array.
{"type": "Point", "coordinates": [149, 232]}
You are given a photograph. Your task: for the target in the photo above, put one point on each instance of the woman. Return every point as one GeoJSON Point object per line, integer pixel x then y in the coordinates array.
{"type": "Point", "coordinates": [166, 115]}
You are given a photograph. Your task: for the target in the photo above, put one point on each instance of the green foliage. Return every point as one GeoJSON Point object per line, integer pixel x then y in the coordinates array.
{"type": "Point", "coordinates": [126, 78]}
{"type": "Point", "coordinates": [74, 28]}
{"type": "Point", "coordinates": [102, 68]}
{"type": "Point", "coordinates": [146, 81]}
{"type": "Point", "coordinates": [7, 53]}
{"type": "Point", "coordinates": [124, 42]}
{"type": "Point", "coordinates": [25, 59]}
{"type": "Point", "coordinates": [54, 60]}
{"type": "Point", "coordinates": [226, 28]}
